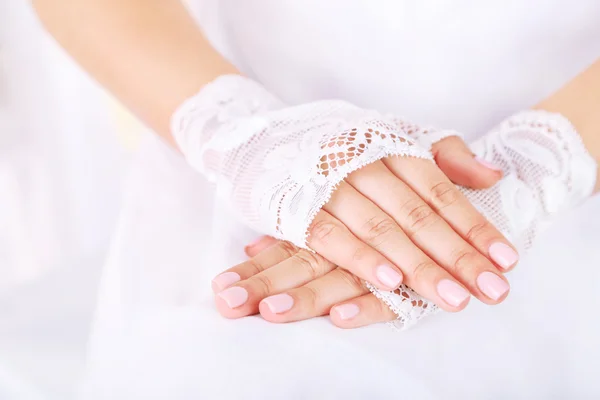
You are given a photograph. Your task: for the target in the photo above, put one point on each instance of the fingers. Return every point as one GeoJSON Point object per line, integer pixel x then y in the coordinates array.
{"type": "Point", "coordinates": [354, 308]}
{"type": "Point", "coordinates": [334, 241]}
{"type": "Point", "coordinates": [446, 200]}
{"type": "Point", "coordinates": [338, 293]}
{"type": "Point", "coordinates": [454, 158]}
{"type": "Point", "coordinates": [380, 231]}
{"type": "Point", "coordinates": [259, 245]}
{"type": "Point", "coordinates": [313, 299]}
{"type": "Point", "coordinates": [242, 298]}
{"type": "Point", "coordinates": [266, 259]}
{"type": "Point", "coordinates": [361, 311]}
{"type": "Point", "coordinates": [433, 236]}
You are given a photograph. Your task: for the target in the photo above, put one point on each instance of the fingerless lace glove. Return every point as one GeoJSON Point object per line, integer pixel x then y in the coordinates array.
{"type": "Point", "coordinates": [277, 165]}
{"type": "Point", "coordinates": [546, 170]}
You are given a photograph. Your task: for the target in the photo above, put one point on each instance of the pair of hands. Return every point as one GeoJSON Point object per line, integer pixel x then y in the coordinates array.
{"type": "Point", "coordinates": [399, 220]}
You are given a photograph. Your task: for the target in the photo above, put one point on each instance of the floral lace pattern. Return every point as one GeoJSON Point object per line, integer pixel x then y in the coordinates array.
{"type": "Point", "coordinates": [276, 165]}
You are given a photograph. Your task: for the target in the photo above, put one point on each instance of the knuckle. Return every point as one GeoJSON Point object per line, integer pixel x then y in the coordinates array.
{"type": "Point", "coordinates": [312, 262]}
{"type": "Point", "coordinates": [421, 270]}
{"type": "Point", "coordinates": [444, 194]}
{"type": "Point", "coordinates": [288, 248]}
{"type": "Point", "coordinates": [322, 230]}
{"type": "Point", "coordinates": [310, 296]}
{"type": "Point", "coordinates": [263, 283]}
{"type": "Point", "coordinates": [253, 266]}
{"type": "Point", "coordinates": [420, 216]}
{"type": "Point", "coordinates": [378, 228]}
{"type": "Point", "coordinates": [352, 280]}
{"type": "Point", "coordinates": [478, 230]}
{"type": "Point", "coordinates": [464, 261]}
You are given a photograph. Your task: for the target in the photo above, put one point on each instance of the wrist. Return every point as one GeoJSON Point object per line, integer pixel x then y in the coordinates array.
{"type": "Point", "coordinates": [579, 102]}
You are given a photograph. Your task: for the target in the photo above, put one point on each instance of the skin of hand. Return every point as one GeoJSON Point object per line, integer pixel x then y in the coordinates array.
{"type": "Point", "coordinates": [285, 283]}
{"type": "Point", "coordinates": [152, 56]}
{"type": "Point", "coordinates": [322, 288]}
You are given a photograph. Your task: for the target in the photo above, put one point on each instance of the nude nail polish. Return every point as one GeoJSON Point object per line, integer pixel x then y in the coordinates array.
{"type": "Point", "coordinates": [279, 303]}
{"type": "Point", "coordinates": [503, 255]}
{"type": "Point", "coordinates": [452, 292]}
{"type": "Point", "coordinates": [492, 285]}
{"type": "Point", "coordinates": [234, 296]}
{"type": "Point", "coordinates": [347, 311]}
{"type": "Point", "coordinates": [388, 276]}
{"type": "Point", "coordinates": [224, 280]}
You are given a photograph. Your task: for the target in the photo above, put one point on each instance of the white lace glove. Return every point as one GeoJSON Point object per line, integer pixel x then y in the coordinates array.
{"type": "Point", "coordinates": [278, 165]}
{"type": "Point", "coordinates": [546, 170]}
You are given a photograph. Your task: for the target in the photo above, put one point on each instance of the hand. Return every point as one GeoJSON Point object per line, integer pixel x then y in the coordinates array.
{"type": "Point", "coordinates": [356, 186]}
{"type": "Point", "coordinates": [285, 266]}
{"type": "Point", "coordinates": [527, 198]}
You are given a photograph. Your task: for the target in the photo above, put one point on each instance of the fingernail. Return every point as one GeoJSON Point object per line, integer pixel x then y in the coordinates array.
{"type": "Point", "coordinates": [492, 285]}
{"type": "Point", "coordinates": [234, 296]}
{"type": "Point", "coordinates": [388, 276]}
{"type": "Point", "coordinates": [224, 280]}
{"type": "Point", "coordinates": [503, 255]}
{"type": "Point", "coordinates": [279, 303]}
{"type": "Point", "coordinates": [347, 311]}
{"type": "Point", "coordinates": [452, 292]}
{"type": "Point", "coordinates": [258, 245]}
{"type": "Point", "coordinates": [488, 164]}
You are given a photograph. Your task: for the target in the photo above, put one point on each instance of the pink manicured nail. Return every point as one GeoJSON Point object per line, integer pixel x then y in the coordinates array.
{"type": "Point", "coordinates": [488, 164]}
{"type": "Point", "coordinates": [224, 280]}
{"type": "Point", "coordinates": [388, 276]}
{"type": "Point", "coordinates": [452, 292]}
{"type": "Point", "coordinates": [503, 255]}
{"type": "Point", "coordinates": [492, 285]}
{"type": "Point", "coordinates": [347, 311]}
{"type": "Point", "coordinates": [279, 303]}
{"type": "Point", "coordinates": [234, 296]}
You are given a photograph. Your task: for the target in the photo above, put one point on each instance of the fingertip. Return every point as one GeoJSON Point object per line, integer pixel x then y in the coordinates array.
{"type": "Point", "coordinates": [225, 310]}
{"type": "Point", "coordinates": [468, 172]}
{"type": "Point", "coordinates": [503, 255]}
{"type": "Point", "coordinates": [224, 280]}
{"type": "Point", "coordinates": [495, 288]}
{"type": "Point", "coordinates": [462, 167]}
{"type": "Point", "coordinates": [346, 311]}
{"type": "Point", "coordinates": [235, 302]}
{"type": "Point", "coordinates": [489, 174]}
{"type": "Point", "coordinates": [388, 277]}
{"type": "Point", "coordinates": [259, 245]}
{"type": "Point", "coordinates": [344, 315]}
{"type": "Point", "coordinates": [454, 309]}
{"type": "Point", "coordinates": [453, 295]}
{"type": "Point", "coordinates": [335, 320]}
{"type": "Point", "coordinates": [267, 313]}
{"type": "Point", "coordinates": [487, 165]}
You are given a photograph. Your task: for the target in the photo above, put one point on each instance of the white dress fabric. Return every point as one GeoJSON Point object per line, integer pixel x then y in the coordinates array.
{"type": "Point", "coordinates": [463, 66]}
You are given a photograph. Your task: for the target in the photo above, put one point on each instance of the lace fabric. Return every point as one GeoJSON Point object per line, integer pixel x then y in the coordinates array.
{"type": "Point", "coordinates": [278, 166]}
{"type": "Point", "coordinates": [546, 170]}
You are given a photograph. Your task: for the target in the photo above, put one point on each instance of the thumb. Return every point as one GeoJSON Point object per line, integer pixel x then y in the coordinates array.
{"type": "Point", "coordinates": [462, 167]}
